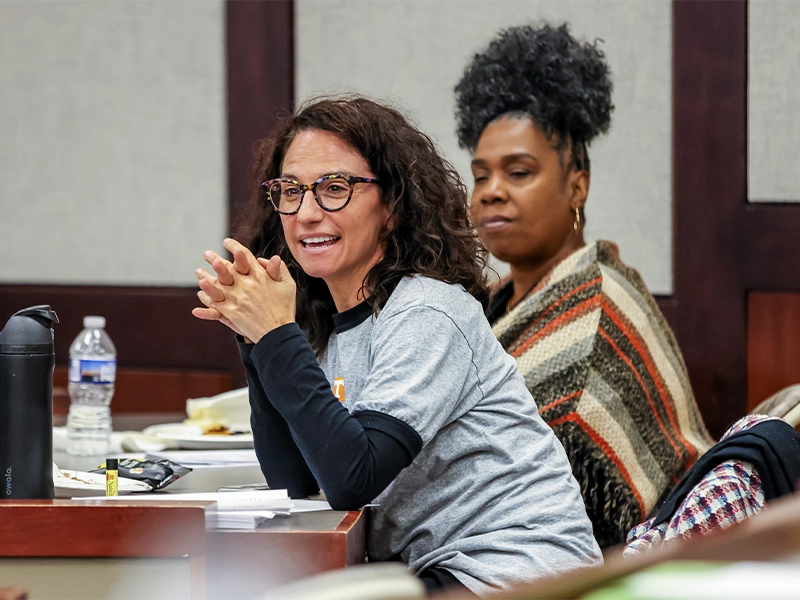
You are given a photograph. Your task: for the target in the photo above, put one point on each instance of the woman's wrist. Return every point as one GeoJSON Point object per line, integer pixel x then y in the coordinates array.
{"type": "Point", "coordinates": [256, 334]}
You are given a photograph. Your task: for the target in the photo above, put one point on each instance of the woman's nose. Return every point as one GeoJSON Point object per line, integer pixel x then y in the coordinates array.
{"type": "Point", "coordinates": [493, 190]}
{"type": "Point", "coordinates": [310, 211]}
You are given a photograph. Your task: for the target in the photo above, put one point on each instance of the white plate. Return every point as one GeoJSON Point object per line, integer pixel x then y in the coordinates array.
{"type": "Point", "coordinates": [71, 484]}
{"type": "Point", "coordinates": [191, 438]}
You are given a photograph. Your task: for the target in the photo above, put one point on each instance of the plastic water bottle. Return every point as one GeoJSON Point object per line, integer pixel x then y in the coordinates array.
{"type": "Point", "coordinates": [92, 372]}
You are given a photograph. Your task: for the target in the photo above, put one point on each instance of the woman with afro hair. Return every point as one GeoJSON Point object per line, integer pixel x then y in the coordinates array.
{"type": "Point", "coordinates": [595, 351]}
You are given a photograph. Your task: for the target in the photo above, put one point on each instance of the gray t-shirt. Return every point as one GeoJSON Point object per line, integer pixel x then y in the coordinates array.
{"type": "Point", "coordinates": [491, 496]}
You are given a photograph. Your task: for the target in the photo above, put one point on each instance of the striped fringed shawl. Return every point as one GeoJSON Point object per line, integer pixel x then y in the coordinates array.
{"type": "Point", "coordinates": [606, 372]}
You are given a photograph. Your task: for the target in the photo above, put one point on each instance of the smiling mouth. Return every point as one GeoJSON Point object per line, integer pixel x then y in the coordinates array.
{"type": "Point", "coordinates": [319, 242]}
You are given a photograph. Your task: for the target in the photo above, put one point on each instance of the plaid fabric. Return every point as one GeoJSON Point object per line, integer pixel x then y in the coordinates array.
{"type": "Point", "coordinates": [608, 377]}
{"type": "Point", "coordinates": [728, 494]}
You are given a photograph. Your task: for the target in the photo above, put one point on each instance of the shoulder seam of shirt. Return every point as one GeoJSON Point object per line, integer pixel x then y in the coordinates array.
{"type": "Point", "coordinates": [423, 305]}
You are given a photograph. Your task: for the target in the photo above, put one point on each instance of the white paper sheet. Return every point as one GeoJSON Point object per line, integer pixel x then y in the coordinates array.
{"type": "Point", "coordinates": [192, 458]}
{"type": "Point", "coordinates": [274, 500]}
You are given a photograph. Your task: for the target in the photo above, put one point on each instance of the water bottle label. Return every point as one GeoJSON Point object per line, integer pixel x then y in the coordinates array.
{"type": "Point", "coordinates": [92, 371]}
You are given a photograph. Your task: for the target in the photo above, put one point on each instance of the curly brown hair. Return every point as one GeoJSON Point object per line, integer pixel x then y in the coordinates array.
{"type": "Point", "coordinates": [430, 232]}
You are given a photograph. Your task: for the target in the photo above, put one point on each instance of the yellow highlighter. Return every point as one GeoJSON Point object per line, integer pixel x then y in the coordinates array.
{"type": "Point", "coordinates": [112, 475]}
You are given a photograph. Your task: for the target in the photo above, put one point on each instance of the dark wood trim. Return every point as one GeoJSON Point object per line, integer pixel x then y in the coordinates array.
{"type": "Point", "coordinates": [771, 258]}
{"type": "Point", "coordinates": [66, 528]}
{"type": "Point", "coordinates": [724, 246]}
{"type": "Point", "coordinates": [710, 189]}
{"type": "Point", "coordinates": [149, 390]}
{"type": "Point", "coordinates": [773, 354]}
{"type": "Point", "coordinates": [150, 326]}
{"type": "Point", "coordinates": [669, 308]}
{"type": "Point", "coordinates": [260, 76]}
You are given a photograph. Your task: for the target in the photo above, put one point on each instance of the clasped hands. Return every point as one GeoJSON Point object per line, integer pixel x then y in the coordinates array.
{"type": "Point", "coordinates": [250, 295]}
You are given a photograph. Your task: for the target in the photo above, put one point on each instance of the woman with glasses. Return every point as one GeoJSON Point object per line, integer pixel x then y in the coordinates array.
{"type": "Point", "coordinates": [596, 353]}
{"type": "Point", "coordinates": [373, 373]}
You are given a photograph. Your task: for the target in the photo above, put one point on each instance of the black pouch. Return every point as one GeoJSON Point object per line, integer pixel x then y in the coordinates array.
{"type": "Point", "coordinates": [157, 473]}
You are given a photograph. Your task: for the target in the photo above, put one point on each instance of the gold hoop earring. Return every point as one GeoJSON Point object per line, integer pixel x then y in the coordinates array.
{"type": "Point", "coordinates": [577, 222]}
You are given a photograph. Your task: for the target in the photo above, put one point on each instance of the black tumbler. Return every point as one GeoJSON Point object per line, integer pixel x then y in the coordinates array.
{"type": "Point", "coordinates": [26, 404]}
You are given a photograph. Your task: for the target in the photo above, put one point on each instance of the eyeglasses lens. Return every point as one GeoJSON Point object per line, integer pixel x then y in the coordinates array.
{"type": "Point", "coordinates": [278, 198]}
{"type": "Point", "coordinates": [334, 193]}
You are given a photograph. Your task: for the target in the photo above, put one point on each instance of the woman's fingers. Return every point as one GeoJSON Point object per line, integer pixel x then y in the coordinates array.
{"type": "Point", "coordinates": [224, 270]}
{"type": "Point", "coordinates": [210, 256]}
{"type": "Point", "coordinates": [285, 275]}
{"type": "Point", "coordinates": [240, 262]}
{"type": "Point", "coordinates": [243, 261]}
{"type": "Point", "coordinates": [222, 267]}
{"type": "Point", "coordinates": [208, 283]}
{"type": "Point", "coordinates": [244, 255]}
{"type": "Point", "coordinates": [211, 290]}
{"type": "Point", "coordinates": [212, 314]}
{"type": "Point", "coordinates": [273, 268]}
{"type": "Point", "coordinates": [207, 314]}
{"type": "Point", "coordinates": [203, 275]}
{"type": "Point", "coordinates": [206, 299]}
{"type": "Point", "coordinates": [252, 303]}
{"type": "Point", "coordinates": [276, 269]}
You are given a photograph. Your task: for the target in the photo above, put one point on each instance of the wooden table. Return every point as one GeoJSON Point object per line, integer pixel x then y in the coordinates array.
{"type": "Point", "coordinates": [165, 550]}
{"type": "Point", "coordinates": [78, 549]}
{"type": "Point", "coordinates": [242, 564]}
{"type": "Point", "coordinates": [44, 543]}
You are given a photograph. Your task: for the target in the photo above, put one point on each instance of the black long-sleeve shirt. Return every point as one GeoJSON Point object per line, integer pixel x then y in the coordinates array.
{"type": "Point", "coordinates": [304, 437]}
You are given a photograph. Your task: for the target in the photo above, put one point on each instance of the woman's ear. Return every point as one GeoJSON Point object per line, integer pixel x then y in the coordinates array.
{"type": "Point", "coordinates": [391, 217]}
{"type": "Point", "coordinates": [579, 186]}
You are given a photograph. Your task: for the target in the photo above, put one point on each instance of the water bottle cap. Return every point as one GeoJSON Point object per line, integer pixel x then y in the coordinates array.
{"type": "Point", "coordinates": [94, 322]}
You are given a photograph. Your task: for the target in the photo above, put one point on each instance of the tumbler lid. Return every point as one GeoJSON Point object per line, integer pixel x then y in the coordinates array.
{"type": "Point", "coordinates": [29, 331]}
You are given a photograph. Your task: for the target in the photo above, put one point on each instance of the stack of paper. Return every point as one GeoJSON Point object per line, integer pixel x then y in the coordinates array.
{"type": "Point", "coordinates": [244, 519]}
{"type": "Point", "coordinates": [276, 500]}
{"type": "Point", "coordinates": [235, 510]}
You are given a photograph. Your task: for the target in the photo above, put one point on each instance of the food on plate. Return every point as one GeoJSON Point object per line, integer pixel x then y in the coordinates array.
{"type": "Point", "coordinates": [208, 419]}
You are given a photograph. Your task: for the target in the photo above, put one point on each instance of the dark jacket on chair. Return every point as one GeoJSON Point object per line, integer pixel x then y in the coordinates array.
{"type": "Point", "coordinates": [773, 447]}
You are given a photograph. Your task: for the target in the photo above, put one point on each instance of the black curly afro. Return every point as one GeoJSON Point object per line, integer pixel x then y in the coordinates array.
{"type": "Point", "coordinates": [544, 73]}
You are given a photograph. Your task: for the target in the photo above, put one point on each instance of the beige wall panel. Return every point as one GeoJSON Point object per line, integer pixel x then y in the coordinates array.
{"type": "Point", "coordinates": [413, 52]}
{"type": "Point", "coordinates": [773, 102]}
{"type": "Point", "coordinates": [112, 121]}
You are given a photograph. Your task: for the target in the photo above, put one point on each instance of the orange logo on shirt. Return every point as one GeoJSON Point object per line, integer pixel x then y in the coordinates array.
{"type": "Point", "coordinates": [338, 388]}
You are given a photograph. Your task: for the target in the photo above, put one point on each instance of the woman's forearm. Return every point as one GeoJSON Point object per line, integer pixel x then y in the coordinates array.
{"type": "Point", "coordinates": [354, 458]}
{"type": "Point", "coordinates": [281, 461]}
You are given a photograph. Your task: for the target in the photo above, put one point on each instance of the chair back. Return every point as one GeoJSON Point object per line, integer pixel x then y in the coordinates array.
{"type": "Point", "coordinates": [784, 404]}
